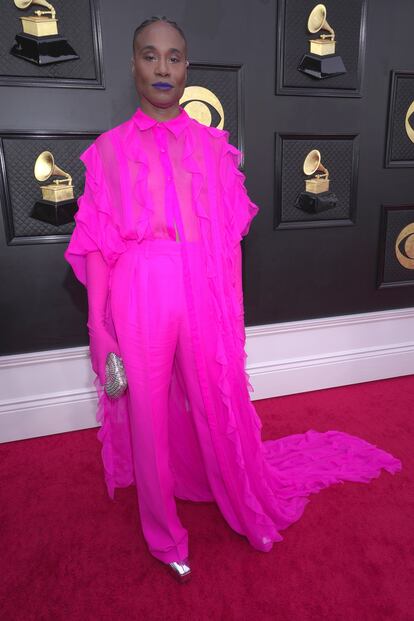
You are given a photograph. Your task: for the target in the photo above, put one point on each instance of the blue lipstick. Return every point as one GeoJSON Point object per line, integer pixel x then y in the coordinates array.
{"type": "Point", "coordinates": [162, 85]}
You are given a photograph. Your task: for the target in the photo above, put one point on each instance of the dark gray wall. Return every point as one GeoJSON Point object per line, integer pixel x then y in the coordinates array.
{"type": "Point", "coordinates": [288, 274]}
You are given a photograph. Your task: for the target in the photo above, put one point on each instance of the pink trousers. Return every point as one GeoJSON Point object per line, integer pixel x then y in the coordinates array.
{"type": "Point", "coordinates": [151, 321]}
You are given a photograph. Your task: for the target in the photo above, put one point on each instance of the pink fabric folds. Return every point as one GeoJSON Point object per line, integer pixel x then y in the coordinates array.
{"type": "Point", "coordinates": [142, 177]}
{"type": "Point", "coordinates": [95, 228]}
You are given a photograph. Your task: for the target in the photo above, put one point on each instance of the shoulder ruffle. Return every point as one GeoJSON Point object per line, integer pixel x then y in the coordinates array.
{"type": "Point", "coordinates": [95, 227]}
{"type": "Point", "coordinates": [241, 210]}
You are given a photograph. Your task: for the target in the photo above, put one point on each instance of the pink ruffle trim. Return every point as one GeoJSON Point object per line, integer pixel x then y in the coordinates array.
{"type": "Point", "coordinates": [234, 346]}
{"type": "Point", "coordinates": [95, 228]}
{"type": "Point", "coordinates": [112, 414]}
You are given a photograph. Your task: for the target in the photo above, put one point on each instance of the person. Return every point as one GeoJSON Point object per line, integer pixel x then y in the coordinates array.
{"type": "Point", "coordinates": [157, 245]}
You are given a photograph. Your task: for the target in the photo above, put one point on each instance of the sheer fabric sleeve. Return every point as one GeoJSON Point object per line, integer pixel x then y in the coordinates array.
{"type": "Point", "coordinates": [241, 209]}
{"type": "Point", "coordinates": [94, 226]}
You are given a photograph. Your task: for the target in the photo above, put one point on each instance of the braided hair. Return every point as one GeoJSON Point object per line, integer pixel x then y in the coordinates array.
{"type": "Point", "coordinates": [152, 20]}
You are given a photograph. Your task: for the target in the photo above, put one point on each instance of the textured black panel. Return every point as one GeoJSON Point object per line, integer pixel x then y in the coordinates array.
{"type": "Point", "coordinates": [224, 82]}
{"type": "Point", "coordinates": [348, 21]}
{"type": "Point", "coordinates": [21, 189]}
{"type": "Point", "coordinates": [391, 272]}
{"type": "Point", "coordinates": [400, 149]}
{"type": "Point", "coordinates": [337, 155]}
{"type": "Point", "coordinates": [76, 22]}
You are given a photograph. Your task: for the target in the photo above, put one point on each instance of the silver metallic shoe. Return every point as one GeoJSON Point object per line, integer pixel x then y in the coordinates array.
{"type": "Point", "coordinates": [180, 570]}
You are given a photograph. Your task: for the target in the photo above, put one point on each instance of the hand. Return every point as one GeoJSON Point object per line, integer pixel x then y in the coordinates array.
{"type": "Point", "coordinates": [100, 344]}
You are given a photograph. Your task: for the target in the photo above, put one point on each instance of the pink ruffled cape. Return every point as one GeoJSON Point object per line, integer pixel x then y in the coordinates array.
{"type": "Point", "coordinates": [268, 483]}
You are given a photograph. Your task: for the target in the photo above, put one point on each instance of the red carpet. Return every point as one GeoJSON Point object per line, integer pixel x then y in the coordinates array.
{"type": "Point", "coordinates": [70, 553]}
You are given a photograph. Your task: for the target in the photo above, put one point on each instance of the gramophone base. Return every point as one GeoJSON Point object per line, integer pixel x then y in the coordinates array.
{"type": "Point", "coordinates": [55, 213]}
{"type": "Point", "coordinates": [43, 51]}
{"type": "Point", "coordinates": [320, 67]}
{"type": "Point", "coordinates": [315, 203]}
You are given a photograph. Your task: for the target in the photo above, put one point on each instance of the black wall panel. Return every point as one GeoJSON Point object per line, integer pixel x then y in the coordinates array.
{"type": "Point", "coordinates": [289, 273]}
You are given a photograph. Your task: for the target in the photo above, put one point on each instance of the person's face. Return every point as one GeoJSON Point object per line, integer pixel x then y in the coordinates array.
{"type": "Point", "coordinates": [160, 59]}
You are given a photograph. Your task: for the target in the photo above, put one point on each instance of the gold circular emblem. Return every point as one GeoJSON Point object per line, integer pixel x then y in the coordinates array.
{"type": "Point", "coordinates": [404, 247]}
{"type": "Point", "coordinates": [408, 128]}
{"type": "Point", "coordinates": [199, 102]}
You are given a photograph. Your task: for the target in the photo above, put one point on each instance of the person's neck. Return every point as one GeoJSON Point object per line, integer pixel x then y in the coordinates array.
{"type": "Point", "coordinates": [160, 114]}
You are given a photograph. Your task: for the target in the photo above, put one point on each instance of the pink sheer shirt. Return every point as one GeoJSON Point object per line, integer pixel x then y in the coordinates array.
{"type": "Point", "coordinates": [169, 185]}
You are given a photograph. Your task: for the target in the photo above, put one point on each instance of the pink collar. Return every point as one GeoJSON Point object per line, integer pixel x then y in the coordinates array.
{"type": "Point", "coordinates": [176, 125]}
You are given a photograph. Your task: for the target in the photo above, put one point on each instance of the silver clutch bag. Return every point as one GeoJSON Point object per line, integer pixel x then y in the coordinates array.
{"type": "Point", "coordinates": [115, 378]}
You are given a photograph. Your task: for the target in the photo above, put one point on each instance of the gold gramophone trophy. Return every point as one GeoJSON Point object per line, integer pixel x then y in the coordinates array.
{"type": "Point", "coordinates": [40, 42]}
{"type": "Point", "coordinates": [317, 196]}
{"type": "Point", "coordinates": [58, 204]}
{"type": "Point", "coordinates": [321, 61]}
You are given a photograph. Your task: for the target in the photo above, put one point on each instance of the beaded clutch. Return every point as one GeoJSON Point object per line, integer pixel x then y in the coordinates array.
{"type": "Point", "coordinates": [115, 380]}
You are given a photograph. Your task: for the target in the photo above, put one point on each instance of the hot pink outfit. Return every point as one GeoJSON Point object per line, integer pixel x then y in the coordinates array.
{"type": "Point", "coordinates": [186, 427]}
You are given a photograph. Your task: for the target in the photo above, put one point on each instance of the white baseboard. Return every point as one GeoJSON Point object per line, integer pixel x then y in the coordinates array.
{"type": "Point", "coordinates": [299, 356]}
{"type": "Point", "coordinates": [52, 392]}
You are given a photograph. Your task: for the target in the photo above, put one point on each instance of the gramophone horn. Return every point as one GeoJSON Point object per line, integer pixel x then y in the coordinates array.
{"type": "Point", "coordinates": [312, 161]}
{"type": "Point", "coordinates": [317, 20]}
{"type": "Point", "coordinates": [22, 4]}
{"type": "Point", "coordinates": [313, 164]}
{"type": "Point", "coordinates": [45, 167]}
